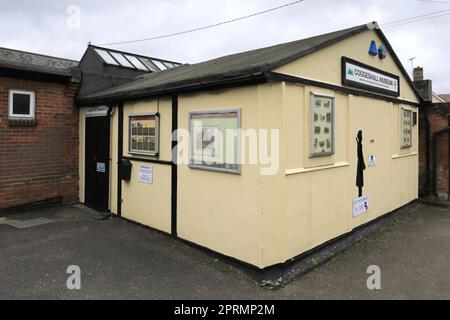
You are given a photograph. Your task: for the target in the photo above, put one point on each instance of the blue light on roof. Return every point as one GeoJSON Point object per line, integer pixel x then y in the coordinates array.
{"type": "Point", "coordinates": [373, 50]}
{"type": "Point", "coordinates": [382, 52]}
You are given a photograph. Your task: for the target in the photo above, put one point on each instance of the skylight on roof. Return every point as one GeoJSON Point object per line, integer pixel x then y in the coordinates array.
{"type": "Point", "coordinates": [159, 64]}
{"type": "Point", "coordinates": [138, 64]}
{"type": "Point", "coordinates": [169, 65]}
{"type": "Point", "coordinates": [106, 57]}
{"type": "Point", "coordinates": [150, 65]}
{"type": "Point", "coordinates": [122, 60]}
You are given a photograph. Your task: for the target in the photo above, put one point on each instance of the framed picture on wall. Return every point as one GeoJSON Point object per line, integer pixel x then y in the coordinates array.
{"type": "Point", "coordinates": [206, 142]}
{"type": "Point", "coordinates": [406, 122]}
{"type": "Point", "coordinates": [322, 125]}
{"type": "Point", "coordinates": [144, 134]}
{"type": "Point", "coordinates": [215, 140]}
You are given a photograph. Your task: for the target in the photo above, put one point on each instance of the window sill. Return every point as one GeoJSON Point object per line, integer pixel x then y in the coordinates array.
{"type": "Point", "coordinates": [321, 155]}
{"type": "Point", "coordinates": [398, 156]}
{"type": "Point", "coordinates": [21, 122]}
{"type": "Point", "coordinates": [214, 169]}
{"type": "Point", "coordinates": [326, 167]}
{"type": "Point", "coordinates": [143, 154]}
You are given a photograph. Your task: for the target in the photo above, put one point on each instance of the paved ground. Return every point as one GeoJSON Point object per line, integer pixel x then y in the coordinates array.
{"type": "Point", "coordinates": [120, 260]}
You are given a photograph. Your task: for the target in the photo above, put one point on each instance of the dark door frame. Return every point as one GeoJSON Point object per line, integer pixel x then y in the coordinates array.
{"type": "Point", "coordinates": [108, 162]}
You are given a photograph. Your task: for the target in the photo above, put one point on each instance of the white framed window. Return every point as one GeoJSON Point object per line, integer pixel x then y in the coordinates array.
{"type": "Point", "coordinates": [215, 140]}
{"type": "Point", "coordinates": [21, 104]}
{"type": "Point", "coordinates": [406, 123]}
{"type": "Point", "coordinates": [322, 125]}
{"type": "Point", "coordinates": [144, 134]}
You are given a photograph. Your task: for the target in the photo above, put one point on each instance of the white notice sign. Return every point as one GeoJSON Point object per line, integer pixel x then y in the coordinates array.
{"type": "Point", "coordinates": [360, 206]}
{"type": "Point", "coordinates": [97, 111]}
{"type": "Point", "coordinates": [146, 174]}
{"type": "Point", "coordinates": [372, 161]}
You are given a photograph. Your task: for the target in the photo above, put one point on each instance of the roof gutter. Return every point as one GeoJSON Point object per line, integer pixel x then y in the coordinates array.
{"type": "Point", "coordinates": [255, 78]}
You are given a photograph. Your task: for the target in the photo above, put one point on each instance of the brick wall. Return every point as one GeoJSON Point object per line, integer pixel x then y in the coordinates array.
{"type": "Point", "coordinates": [438, 119]}
{"type": "Point", "coordinates": [39, 162]}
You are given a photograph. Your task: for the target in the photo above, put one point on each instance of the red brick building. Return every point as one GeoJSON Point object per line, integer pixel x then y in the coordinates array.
{"type": "Point", "coordinates": [39, 124]}
{"type": "Point", "coordinates": [434, 144]}
{"type": "Point", "coordinates": [38, 129]}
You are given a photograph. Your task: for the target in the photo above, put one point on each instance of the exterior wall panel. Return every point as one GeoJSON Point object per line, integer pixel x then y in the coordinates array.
{"type": "Point", "coordinates": [220, 210]}
{"type": "Point", "coordinates": [145, 203]}
{"type": "Point", "coordinates": [319, 199]}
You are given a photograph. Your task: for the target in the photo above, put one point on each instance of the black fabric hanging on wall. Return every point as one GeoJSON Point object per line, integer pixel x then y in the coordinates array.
{"type": "Point", "coordinates": [361, 164]}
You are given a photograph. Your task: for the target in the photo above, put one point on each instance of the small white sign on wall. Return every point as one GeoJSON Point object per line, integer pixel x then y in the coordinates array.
{"type": "Point", "coordinates": [101, 167]}
{"type": "Point", "coordinates": [146, 174]}
{"type": "Point", "coordinates": [97, 111]}
{"type": "Point", "coordinates": [360, 206]}
{"type": "Point", "coordinates": [372, 161]}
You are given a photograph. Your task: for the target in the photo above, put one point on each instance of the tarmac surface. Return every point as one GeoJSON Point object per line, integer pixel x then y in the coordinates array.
{"type": "Point", "coordinates": [120, 260]}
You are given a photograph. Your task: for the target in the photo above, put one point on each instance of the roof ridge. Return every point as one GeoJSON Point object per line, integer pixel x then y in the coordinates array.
{"type": "Point", "coordinates": [252, 50]}
{"type": "Point", "coordinates": [39, 54]}
{"type": "Point", "coordinates": [289, 42]}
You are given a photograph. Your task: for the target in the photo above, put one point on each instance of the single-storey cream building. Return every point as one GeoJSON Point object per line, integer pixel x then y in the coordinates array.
{"type": "Point", "coordinates": [311, 98]}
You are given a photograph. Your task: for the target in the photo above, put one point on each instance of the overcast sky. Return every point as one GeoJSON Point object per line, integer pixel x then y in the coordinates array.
{"type": "Point", "coordinates": [42, 26]}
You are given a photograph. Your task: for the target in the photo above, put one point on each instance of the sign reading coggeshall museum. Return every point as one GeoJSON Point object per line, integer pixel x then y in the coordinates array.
{"type": "Point", "coordinates": [360, 75]}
